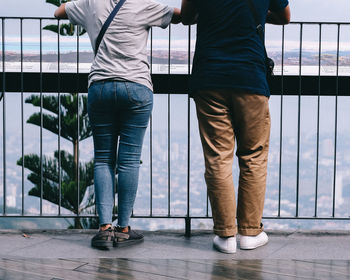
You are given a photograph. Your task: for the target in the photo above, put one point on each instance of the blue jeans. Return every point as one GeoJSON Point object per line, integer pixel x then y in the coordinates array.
{"type": "Point", "coordinates": [117, 110]}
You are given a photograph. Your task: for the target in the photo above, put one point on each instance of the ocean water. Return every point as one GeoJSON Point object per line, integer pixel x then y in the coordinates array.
{"type": "Point", "coordinates": [47, 47]}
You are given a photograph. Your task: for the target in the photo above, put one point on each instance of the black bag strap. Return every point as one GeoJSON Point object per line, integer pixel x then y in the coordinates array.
{"type": "Point", "coordinates": [107, 23]}
{"type": "Point", "coordinates": [259, 27]}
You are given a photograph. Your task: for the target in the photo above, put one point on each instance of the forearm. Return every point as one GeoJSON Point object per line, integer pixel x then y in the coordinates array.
{"type": "Point", "coordinates": [189, 12]}
{"type": "Point", "coordinates": [176, 16]}
{"type": "Point", "coordinates": [61, 12]}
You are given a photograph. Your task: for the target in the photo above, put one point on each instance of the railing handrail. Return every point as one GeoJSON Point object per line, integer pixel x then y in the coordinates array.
{"type": "Point", "coordinates": [292, 22]}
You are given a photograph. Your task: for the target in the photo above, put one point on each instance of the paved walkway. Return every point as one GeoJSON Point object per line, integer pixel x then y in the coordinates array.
{"type": "Point", "coordinates": [169, 255]}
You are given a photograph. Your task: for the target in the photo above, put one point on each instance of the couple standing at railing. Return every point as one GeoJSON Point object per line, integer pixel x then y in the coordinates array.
{"type": "Point", "coordinates": [230, 90]}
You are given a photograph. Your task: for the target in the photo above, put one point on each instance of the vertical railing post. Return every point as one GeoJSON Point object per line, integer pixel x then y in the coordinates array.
{"type": "Point", "coordinates": [188, 227]}
{"type": "Point", "coordinates": [188, 219]}
{"type": "Point", "coordinates": [22, 115]}
{"type": "Point", "coordinates": [4, 115]}
{"type": "Point", "coordinates": [281, 128]}
{"type": "Point", "coordinates": [77, 171]}
{"type": "Point", "coordinates": [41, 120]}
{"type": "Point", "coordinates": [151, 135]}
{"type": "Point", "coordinates": [169, 124]}
{"type": "Point", "coordinates": [59, 119]}
{"type": "Point", "coordinates": [299, 122]}
{"type": "Point", "coordinates": [336, 123]}
{"type": "Point", "coordinates": [318, 117]}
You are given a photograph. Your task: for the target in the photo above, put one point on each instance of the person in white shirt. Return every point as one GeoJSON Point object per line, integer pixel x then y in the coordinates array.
{"type": "Point", "coordinates": [120, 101]}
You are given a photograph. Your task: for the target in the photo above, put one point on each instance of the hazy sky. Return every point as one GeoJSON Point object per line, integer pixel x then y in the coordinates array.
{"type": "Point", "coordinates": [302, 10]}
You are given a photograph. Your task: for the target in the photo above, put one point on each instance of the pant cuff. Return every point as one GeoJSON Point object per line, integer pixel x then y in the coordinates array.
{"type": "Point", "coordinates": [226, 232]}
{"type": "Point", "coordinates": [250, 231]}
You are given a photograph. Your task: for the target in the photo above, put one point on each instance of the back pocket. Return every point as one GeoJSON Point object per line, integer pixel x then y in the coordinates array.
{"type": "Point", "coordinates": [138, 94]}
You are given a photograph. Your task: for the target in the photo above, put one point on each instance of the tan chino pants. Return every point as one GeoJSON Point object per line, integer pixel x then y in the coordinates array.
{"type": "Point", "coordinates": [223, 116]}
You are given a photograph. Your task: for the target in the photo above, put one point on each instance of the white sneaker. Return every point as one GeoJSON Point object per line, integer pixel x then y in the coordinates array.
{"type": "Point", "coordinates": [225, 245]}
{"type": "Point", "coordinates": [252, 242]}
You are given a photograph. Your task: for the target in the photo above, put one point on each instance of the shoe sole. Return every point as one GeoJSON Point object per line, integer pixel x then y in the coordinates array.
{"type": "Point", "coordinates": [254, 247]}
{"type": "Point", "coordinates": [224, 251]}
{"type": "Point", "coordinates": [102, 244]}
{"type": "Point", "coordinates": [127, 243]}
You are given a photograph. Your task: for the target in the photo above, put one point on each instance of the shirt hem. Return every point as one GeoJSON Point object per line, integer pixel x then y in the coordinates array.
{"type": "Point", "coordinates": [252, 90]}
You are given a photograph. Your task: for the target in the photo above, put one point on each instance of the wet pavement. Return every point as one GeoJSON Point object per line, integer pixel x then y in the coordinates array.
{"type": "Point", "coordinates": [67, 254]}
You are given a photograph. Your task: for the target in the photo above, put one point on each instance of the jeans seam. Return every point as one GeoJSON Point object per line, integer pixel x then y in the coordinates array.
{"type": "Point", "coordinates": [101, 89]}
{"type": "Point", "coordinates": [115, 94]}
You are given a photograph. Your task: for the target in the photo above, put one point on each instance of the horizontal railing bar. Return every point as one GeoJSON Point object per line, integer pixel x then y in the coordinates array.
{"type": "Point", "coordinates": [321, 22]}
{"type": "Point", "coordinates": [292, 22]}
{"type": "Point", "coordinates": [308, 218]}
{"type": "Point", "coordinates": [175, 83]}
{"type": "Point", "coordinates": [175, 217]}
{"type": "Point", "coordinates": [31, 18]}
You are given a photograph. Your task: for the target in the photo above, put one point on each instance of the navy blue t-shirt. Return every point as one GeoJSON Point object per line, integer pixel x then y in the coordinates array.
{"type": "Point", "coordinates": [229, 53]}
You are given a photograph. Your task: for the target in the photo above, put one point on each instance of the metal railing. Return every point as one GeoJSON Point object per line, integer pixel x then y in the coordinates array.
{"type": "Point", "coordinates": [296, 85]}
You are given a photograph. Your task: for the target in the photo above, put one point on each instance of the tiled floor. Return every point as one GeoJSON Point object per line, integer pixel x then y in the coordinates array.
{"type": "Point", "coordinates": [169, 255]}
{"type": "Point", "coordinates": [154, 269]}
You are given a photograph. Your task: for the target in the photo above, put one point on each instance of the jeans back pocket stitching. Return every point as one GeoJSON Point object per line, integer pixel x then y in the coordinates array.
{"type": "Point", "coordinates": [129, 95]}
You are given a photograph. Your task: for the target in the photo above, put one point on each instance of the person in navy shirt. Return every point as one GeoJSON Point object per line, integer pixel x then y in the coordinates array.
{"type": "Point", "coordinates": [230, 89]}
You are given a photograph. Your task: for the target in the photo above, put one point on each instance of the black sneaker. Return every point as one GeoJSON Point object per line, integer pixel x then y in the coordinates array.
{"type": "Point", "coordinates": [104, 239]}
{"type": "Point", "coordinates": [126, 238]}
